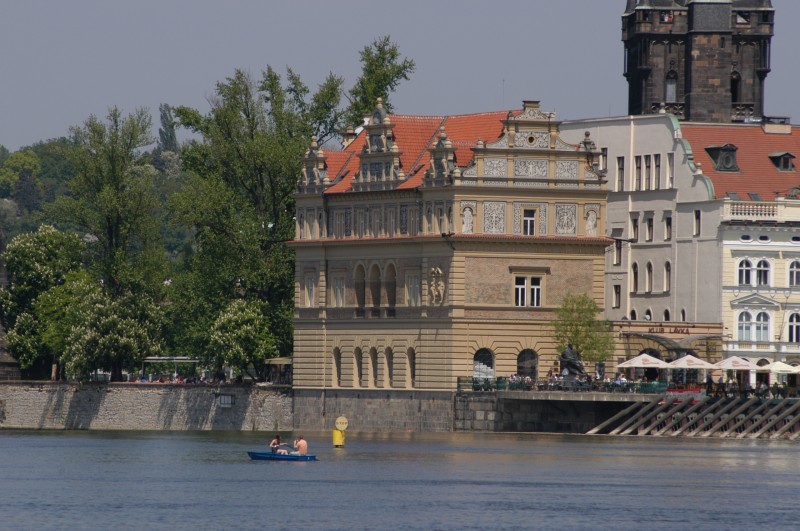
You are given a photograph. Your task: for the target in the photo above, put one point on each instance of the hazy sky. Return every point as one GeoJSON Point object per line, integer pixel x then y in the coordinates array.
{"type": "Point", "coordinates": [64, 60]}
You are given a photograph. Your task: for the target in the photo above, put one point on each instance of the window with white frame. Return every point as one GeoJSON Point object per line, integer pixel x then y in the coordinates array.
{"type": "Point", "coordinates": [338, 290]}
{"type": "Point", "coordinates": [615, 303]}
{"type": "Point", "coordinates": [794, 274]}
{"type": "Point", "coordinates": [527, 291]}
{"type": "Point", "coordinates": [529, 222]}
{"type": "Point", "coordinates": [667, 228]}
{"type": "Point", "coordinates": [648, 229]}
{"type": "Point", "coordinates": [647, 172]}
{"type": "Point", "coordinates": [667, 277]}
{"type": "Point", "coordinates": [762, 273]}
{"type": "Point", "coordinates": [412, 288]}
{"type": "Point", "coordinates": [620, 174]}
{"type": "Point", "coordinates": [638, 176]}
{"type": "Point", "coordinates": [670, 169]}
{"type": "Point", "coordinates": [794, 328]}
{"type": "Point", "coordinates": [648, 279]}
{"type": "Point", "coordinates": [635, 278]}
{"type": "Point", "coordinates": [657, 171]}
{"type": "Point", "coordinates": [697, 226]}
{"type": "Point", "coordinates": [753, 330]}
{"type": "Point", "coordinates": [745, 273]}
{"type": "Point", "coordinates": [310, 282]}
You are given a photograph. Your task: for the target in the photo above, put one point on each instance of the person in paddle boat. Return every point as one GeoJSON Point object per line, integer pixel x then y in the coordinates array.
{"type": "Point", "coordinates": [275, 445]}
{"type": "Point", "coordinates": [300, 446]}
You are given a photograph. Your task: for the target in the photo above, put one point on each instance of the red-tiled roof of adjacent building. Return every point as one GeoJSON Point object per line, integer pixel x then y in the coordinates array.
{"type": "Point", "coordinates": [757, 173]}
{"type": "Point", "coordinates": [413, 135]}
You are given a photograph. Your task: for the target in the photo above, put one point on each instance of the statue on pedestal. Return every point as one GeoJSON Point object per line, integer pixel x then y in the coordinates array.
{"type": "Point", "coordinates": [571, 364]}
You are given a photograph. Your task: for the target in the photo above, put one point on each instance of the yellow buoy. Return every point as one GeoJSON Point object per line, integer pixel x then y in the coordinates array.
{"type": "Point", "coordinates": [338, 438]}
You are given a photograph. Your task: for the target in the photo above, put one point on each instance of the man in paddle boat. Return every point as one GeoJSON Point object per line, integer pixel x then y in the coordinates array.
{"type": "Point", "coordinates": [300, 446]}
{"type": "Point", "coordinates": [276, 446]}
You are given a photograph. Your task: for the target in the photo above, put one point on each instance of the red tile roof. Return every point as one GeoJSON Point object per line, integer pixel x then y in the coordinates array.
{"type": "Point", "coordinates": [757, 173]}
{"type": "Point", "coordinates": [413, 135]}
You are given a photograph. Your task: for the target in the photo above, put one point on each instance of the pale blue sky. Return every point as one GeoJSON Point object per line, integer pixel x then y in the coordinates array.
{"type": "Point", "coordinates": [63, 60]}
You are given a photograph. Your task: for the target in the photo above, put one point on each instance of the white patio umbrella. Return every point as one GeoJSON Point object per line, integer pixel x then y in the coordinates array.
{"type": "Point", "coordinates": [691, 362]}
{"type": "Point", "coordinates": [735, 363]}
{"type": "Point", "coordinates": [779, 367]}
{"type": "Point", "coordinates": [644, 361]}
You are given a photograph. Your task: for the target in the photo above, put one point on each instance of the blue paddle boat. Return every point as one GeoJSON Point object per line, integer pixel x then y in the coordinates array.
{"type": "Point", "coordinates": [272, 456]}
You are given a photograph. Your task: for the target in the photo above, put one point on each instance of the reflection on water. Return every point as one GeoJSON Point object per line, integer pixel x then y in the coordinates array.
{"type": "Point", "coordinates": [394, 481]}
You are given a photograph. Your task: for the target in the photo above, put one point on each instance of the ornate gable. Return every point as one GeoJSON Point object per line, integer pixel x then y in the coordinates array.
{"type": "Point", "coordinates": [380, 167]}
{"type": "Point", "coordinates": [754, 301]}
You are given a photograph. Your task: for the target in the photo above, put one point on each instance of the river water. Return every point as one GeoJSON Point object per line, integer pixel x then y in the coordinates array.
{"type": "Point", "coordinates": [202, 480]}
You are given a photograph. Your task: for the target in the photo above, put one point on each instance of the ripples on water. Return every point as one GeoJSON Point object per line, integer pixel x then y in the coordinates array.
{"type": "Point", "coordinates": [135, 480]}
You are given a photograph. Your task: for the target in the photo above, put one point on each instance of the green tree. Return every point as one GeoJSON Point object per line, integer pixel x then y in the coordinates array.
{"type": "Point", "coordinates": [111, 199]}
{"type": "Point", "coordinates": [167, 138]}
{"type": "Point", "coordinates": [19, 166]}
{"type": "Point", "coordinates": [576, 324]}
{"type": "Point", "coordinates": [241, 338]}
{"type": "Point", "coordinates": [382, 70]}
{"type": "Point", "coordinates": [37, 263]}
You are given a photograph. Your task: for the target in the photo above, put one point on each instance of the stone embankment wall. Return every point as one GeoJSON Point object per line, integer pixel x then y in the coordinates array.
{"type": "Point", "coordinates": [125, 406]}
{"type": "Point", "coordinates": [373, 410]}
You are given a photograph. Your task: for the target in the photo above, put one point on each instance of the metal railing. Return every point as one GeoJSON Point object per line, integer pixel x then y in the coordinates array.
{"type": "Point", "coordinates": [468, 383]}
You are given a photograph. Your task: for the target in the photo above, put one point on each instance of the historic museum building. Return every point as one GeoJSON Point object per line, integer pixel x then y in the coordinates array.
{"type": "Point", "coordinates": [433, 247]}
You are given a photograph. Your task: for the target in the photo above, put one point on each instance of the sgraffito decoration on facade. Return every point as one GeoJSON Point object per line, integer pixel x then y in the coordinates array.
{"type": "Point", "coordinates": [494, 217]}
{"type": "Point", "coordinates": [403, 219]}
{"type": "Point", "coordinates": [495, 167]}
{"type": "Point", "coordinates": [567, 170]}
{"type": "Point", "coordinates": [591, 213]}
{"type": "Point", "coordinates": [532, 140]}
{"type": "Point", "coordinates": [566, 219]}
{"type": "Point", "coordinates": [537, 169]}
{"type": "Point", "coordinates": [436, 286]}
{"type": "Point", "coordinates": [468, 216]}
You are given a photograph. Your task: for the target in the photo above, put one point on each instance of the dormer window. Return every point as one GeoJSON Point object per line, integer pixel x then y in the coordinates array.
{"type": "Point", "coordinates": [724, 157]}
{"type": "Point", "coordinates": [742, 17]}
{"type": "Point", "coordinates": [784, 161]}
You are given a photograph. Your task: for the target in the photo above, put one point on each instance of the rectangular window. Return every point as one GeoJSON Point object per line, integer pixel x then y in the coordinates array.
{"type": "Point", "coordinates": [649, 229]}
{"type": "Point", "coordinates": [657, 171]}
{"type": "Point", "coordinates": [617, 252]}
{"type": "Point", "coordinates": [667, 228]}
{"type": "Point", "coordinates": [638, 163]}
{"type": "Point", "coordinates": [412, 289]}
{"type": "Point", "coordinates": [670, 169]}
{"type": "Point", "coordinates": [620, 174]}
{"type": "Point", "coordinates": [338, 291]}
{"type": "Point", "coordinates": [536, 291]}
{"type": "Point", "coordinates": [529, 222]}
{"type": "Point", "coordinates": [522, 295]}
{"type": "Point", "coordinates": [697, 227]}
{"type": "Point", "coordinates": [635, 229]}
{"type": "Point", "coordinates": [647, 172]}
{"type": "Point", "coordinates": [310, 285]}
{"type": "Point", "coordinates": [604, 159]}
{"type": "Point", "coordinates": [615, 303]}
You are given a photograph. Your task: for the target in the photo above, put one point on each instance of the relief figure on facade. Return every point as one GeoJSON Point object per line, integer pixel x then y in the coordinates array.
{"type": "Point", "coordinates": [591, 223]}
{"type": "Point", "coordinates": [466, 221]}
{"type": "Point", "coordinates": [436, 283]}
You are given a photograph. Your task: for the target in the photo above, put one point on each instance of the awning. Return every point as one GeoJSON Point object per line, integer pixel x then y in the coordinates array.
{"type": "Point", "coordinates": [644, 361]}
{"type": "Point", "coordinates": [690, 362]}
{"type": "Point", "coordinates": [279, 361]}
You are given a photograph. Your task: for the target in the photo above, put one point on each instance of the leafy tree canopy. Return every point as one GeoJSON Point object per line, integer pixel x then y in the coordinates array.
{"type": "Point", "coordinates": [576, 324]}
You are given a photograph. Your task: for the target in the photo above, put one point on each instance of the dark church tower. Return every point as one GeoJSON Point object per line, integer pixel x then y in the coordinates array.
{"type": "Point", "coordinates": [702, 60]}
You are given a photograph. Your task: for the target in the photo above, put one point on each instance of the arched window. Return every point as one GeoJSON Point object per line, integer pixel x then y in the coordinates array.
{"type": "Point", "coordinates": [388, 373]}
{"type": "Point", "coordinates": [794, 274]}
{"type": "Point", "coordinates": [648, 315]}
{"type": "Point", "coordinates": [762, 273]}
{"type": "Point", "coordinates": [794, 328]}
{"type": "Point", "coordinates": [373, 367]}
{"type": "Point", "coordinates": [745, 323]}
{"type": "Point", "coordinates": [360, 285]}
{"type": "Point", "coordinates": [745, 273]}
{"type": "Point", "coordinates": [667, 277]}
{"type": "Point", "coordinates": [666, 315]}
{"type": "Point", "coordinates": [671, 92]}
{"type": "Point", "coordinates": [648, 280]}
{"type": "Point", "coordinates": [483, 364]}
{"type": "Point", "coordinates": [390, 284]}
{"type": "Point", "coordinates": [528, 363]}
{"type": "Point", "coordinates": [635, 278]}
{"type": "Point", "coordinates": [736, 84]}
{"type": "Point", "coordinates": [683, 316]}
{"type": "Point", "coordinates": [375, 285]}
{"type": "Point", "coordinates": [762, 327]}
{"type": "Point", "coordinates": [633, 315]}
{"type": "Point", "coordinates": [411, 368]}
{"type": "Point", "coordinates": [358, 369]}
{"type": "Point", "coordinates": [337, 367]}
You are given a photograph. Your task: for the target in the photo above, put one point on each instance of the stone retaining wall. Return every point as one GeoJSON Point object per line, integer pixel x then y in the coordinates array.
{"type": "Point", "coordinates": [127, 406]}
{"type": "Point", "coordinates": [373, 410]}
